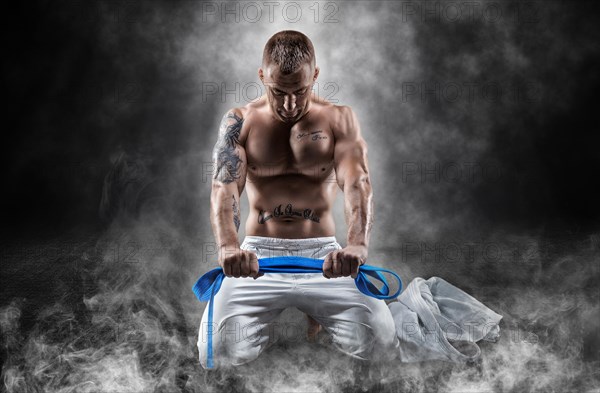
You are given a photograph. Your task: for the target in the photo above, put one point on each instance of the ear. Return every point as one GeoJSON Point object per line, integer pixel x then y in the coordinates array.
{"type": "Point", "coordinates": [316, 74]}
{"type": "Point", "coordinates": [261, 75]}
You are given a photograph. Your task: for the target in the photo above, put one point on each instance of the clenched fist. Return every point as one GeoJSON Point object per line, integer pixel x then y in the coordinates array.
{"type": "Point", "coordinates": [344, 262]}
{"type": "Point", "coordinates": [239, 263]}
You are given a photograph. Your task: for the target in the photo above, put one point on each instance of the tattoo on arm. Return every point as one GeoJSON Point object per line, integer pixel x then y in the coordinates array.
{"type": "Point", "coordinates": [236, 214]}
{"type": "Point", "coordinates": [226, 157]}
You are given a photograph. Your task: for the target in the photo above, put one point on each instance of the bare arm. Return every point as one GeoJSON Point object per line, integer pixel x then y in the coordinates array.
{"type": "Point", "coordinates": [352, 174]}
{"type": "Point", "coordinates": [228, 182]}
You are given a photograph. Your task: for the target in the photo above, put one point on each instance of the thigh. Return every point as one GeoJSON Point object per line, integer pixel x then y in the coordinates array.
{"type": "Point", "coordinates": [243, 311]}
{"type": "Point", "coordinates": [360, 325]}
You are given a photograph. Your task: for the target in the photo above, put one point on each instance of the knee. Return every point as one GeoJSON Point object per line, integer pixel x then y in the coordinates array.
{"type": "Point", "coordinates": [386, 345]}
{"type": "Point", "coordinates": [227, 351]}
{"type": "Point", "coordinates": [368, 342]}
{"type": "Point", "coordinates": [356, 340]}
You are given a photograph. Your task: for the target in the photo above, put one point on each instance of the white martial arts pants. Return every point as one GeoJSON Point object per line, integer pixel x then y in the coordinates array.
{"type": "Point", "coordinates": [244, 309]}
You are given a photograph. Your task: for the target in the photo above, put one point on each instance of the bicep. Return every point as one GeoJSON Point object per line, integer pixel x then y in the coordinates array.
{"type": "Point", "coordinates": [350, 152]}
{"type": "Point", "coordinates": [229, 156]}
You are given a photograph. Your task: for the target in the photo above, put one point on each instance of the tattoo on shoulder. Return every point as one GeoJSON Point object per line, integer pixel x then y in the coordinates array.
{"type": "Point", "coordinates": [225, 155]}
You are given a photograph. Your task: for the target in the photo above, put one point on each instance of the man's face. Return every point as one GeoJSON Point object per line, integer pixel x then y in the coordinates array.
{"type": "Point", "coordinates": [288, 95]}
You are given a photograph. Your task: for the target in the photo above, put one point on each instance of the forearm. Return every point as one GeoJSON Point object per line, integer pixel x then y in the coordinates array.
{"type": "Point", "coordinates": [225, 216]}
{"type": "Point", "coordinates": [359, 212]}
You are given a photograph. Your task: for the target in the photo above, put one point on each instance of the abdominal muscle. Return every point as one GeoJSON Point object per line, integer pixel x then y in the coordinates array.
{"type": "Point", "coordinates": [290, 209]}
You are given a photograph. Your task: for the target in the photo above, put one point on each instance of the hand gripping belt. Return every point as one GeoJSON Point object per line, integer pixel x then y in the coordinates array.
{"type": "Point", "coordinates": [209, 284]}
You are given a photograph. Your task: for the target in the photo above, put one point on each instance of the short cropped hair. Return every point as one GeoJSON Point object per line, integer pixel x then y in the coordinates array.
{"type": "Point", "coordinates": [289, 49]}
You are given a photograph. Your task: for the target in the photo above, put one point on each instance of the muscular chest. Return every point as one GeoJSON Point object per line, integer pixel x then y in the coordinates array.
{"type": "Point", "coordinates": [304, 149]}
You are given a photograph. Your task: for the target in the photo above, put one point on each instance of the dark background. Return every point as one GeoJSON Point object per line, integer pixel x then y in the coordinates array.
{"type": "Point", "coordinates": [74, 99]}
{"type": "Point", "coordinates": [107, 146]}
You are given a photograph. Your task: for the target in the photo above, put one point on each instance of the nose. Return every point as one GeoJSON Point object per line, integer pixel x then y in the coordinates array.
{"type": "Point", "coordinates": [289, 104]}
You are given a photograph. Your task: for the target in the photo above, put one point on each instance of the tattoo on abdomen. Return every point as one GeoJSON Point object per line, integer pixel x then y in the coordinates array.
{"type": "Point", "coordinates": [227, 159]}
{"type": "Point", "coordinates": [307, 214]}
{"type": "Point", "coordinates": [236, 214]}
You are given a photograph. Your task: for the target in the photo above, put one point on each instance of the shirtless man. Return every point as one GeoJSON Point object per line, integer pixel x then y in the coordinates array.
{"type": "Point", "coordinates": [291, 150]}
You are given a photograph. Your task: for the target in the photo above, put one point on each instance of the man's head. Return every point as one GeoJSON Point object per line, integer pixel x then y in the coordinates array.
{"type": "Point", "coordinates": [288, 72]}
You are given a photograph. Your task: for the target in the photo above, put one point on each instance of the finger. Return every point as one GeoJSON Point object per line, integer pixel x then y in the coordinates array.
{"type": "Point", "coordinates": [354, 268]}
{"type": "Point", "coordinates": [245, 265]}
{"type": "Point", "coordinates": [327, 265]}
{"type": "Point", "coordinates": [347, 267]}
{"type": "Point", "coordinates": [337, 265]}
{"type": "Point", "coordinates": [235, 267]}
{"type": "Point", "coordinates": [227, 268]}
{"type": "Point", "coordinates": [253, 266]}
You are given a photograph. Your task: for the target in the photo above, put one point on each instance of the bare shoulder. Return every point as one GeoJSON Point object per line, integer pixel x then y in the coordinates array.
{"type": "Point", "coordinates": [247, 112]}
{"type": "Point", "coordinates": [344, 122]}
{"type": "Point", "coordinates": [233, 116]}
{"type": "Point", "coordinates": [250, 113]}
{"type": "Point", "coordinates": [255, 108]}
{"type": "Point", "coordinates": [235, 123]}
{"type": "Point", "coordinates": [230, 128]}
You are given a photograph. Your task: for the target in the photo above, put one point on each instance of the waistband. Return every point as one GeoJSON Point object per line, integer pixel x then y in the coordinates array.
{"type": "Point", "coordinates": [275, 242]}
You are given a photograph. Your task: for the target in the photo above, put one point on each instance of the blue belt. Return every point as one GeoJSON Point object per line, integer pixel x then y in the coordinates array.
{"type": "Point", "coordinates": [209, 284]}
